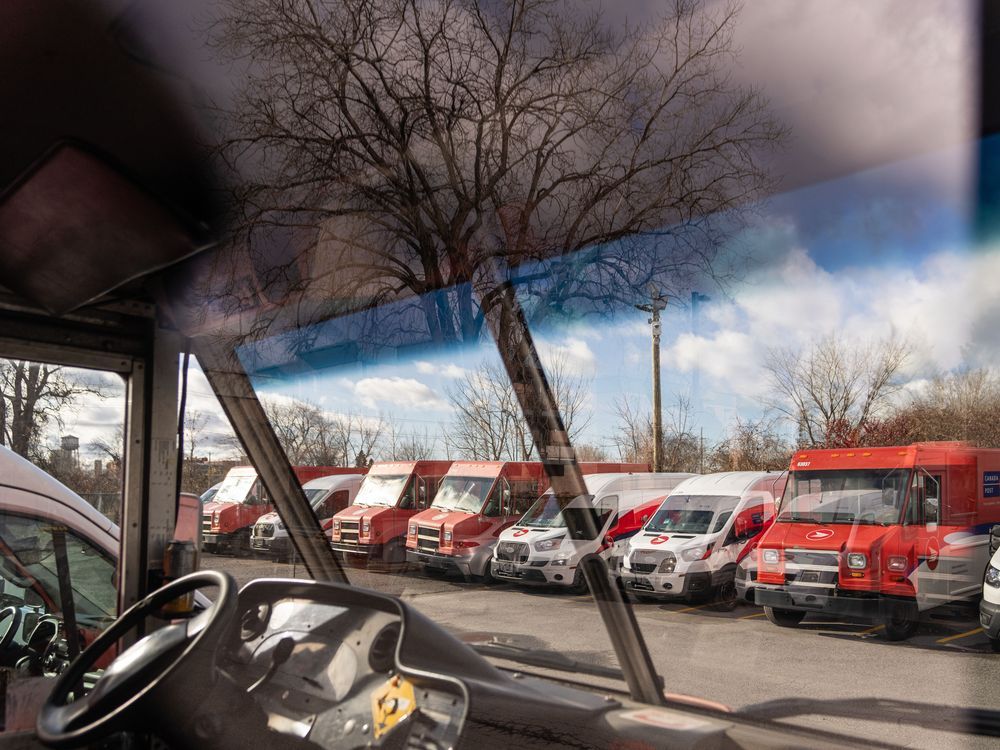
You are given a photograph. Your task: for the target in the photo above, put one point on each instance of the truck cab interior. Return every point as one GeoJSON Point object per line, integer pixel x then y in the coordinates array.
{"type": "Point", "coordinates": [120, 252]}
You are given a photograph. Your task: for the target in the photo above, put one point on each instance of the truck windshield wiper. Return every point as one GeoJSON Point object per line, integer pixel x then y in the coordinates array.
{"type": "Point", "coordinates": [544, 659]}
{"type": "Point", "coordinates": [982, 721]}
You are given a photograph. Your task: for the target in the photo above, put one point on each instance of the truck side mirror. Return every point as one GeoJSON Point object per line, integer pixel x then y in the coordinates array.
{"type": "Point", "coordinates": [994, 539]}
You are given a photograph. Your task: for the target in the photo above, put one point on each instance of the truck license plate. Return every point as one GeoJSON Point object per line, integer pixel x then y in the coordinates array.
{"type": "Point", "coordinates": [506, 567]}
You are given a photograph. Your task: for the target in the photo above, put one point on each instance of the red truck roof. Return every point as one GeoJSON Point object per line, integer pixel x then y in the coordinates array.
{"type": "Point", "coordinates": [917, 454]}
{"type": "Point", "coordinates": [409, 467]}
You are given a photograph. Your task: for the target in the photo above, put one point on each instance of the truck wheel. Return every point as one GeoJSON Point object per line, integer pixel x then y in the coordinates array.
{"type": "Point", "coordinates": [995, 645]}
{"type": "Point", "coordinates": [899, 623]}
{"type": "Point", "coordinates": [579, 585]}
{"type": "Point", "coordinates": [211, 548]}
{"type": "Point", "coordinates": [784, 618]}
{"type": "Point", "coordinates": [725, 599]}
{"type": "Point", "coordinates": [487, 578]}
{"type": "Point", "coordinates": [394, 556]}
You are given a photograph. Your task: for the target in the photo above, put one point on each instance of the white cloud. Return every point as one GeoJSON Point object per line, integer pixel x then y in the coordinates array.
{"type": "Point", "coordinates": [574, 354]}
{"type": "Point", "coordinates": [404, 392]}
{"type": "Point", "coordinates": [452, 371]}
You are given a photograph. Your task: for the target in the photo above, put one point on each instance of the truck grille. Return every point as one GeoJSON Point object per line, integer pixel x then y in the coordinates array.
{"type": "Point", "coordinates": [264, 529]}
{"type": "Point", "coordinates": [644, 567]}
{"type": "Point", "coordinates": [811, 568]}
{"type": "Point", "coordinates": [349, 531]}
{"type": "Point", "coordinates": [206, 522]}
{"type": "Point", "coordinates": [428, 538]}
{"type": "Point", "coordinates": [514, 551]}
{"type": "Point", "coordinates": [649, 562]}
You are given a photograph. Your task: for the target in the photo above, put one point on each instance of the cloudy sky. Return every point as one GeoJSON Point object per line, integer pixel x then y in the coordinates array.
{"type": "Point", "coordinates": [869, 234]}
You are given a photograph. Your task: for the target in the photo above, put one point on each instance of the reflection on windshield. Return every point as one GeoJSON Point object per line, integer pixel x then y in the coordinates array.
{"type": "Point", "coordinates": [381, 489]}
{"type": "Point", "coordinates": [315, 497]}
{"type": "Point", "coordinates": [235, 489]}
{"type": "Point", "coordinates": [550, 512]}
{"type": "Point", "coordinates": [692, 514]}
{"type": "Point", "coordinates": [862, 496]}
{"type": "Point", "coordinates": [465, 494]}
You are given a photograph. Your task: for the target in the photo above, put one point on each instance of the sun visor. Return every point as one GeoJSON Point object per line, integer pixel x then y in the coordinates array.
{"type": "Point", "coordinates": [75, 228]}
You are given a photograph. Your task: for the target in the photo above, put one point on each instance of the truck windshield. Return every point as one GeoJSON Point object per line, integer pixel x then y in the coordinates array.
{"type": "Point", "coordinates": [465, 494]}
{"type": "Point", "coordinates": [315, 497]}
{"type": "Point", "coordinates": [381, 489]}
{"type": "Point", "coordinates": [549, 512]}
{"type": "Point", "coordinates": [693, 514]}
{"type": "Point", "coordinates": [858, 496]}
{"type": "Point", "coordinates": [235, 489]}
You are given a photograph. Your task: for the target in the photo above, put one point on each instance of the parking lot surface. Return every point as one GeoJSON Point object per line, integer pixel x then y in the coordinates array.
{"type": "Point", "coordinates": [724, 656]}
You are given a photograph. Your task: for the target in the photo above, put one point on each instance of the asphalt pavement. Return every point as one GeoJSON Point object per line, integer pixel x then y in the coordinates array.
{"type": "Point", "coordinates": [737, 657]}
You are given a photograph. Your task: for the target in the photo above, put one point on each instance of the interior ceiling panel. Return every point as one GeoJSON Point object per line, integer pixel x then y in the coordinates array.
{"type": "Point", "coordinates": [99, 151]}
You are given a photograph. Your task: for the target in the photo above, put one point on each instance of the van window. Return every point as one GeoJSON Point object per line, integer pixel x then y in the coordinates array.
{"type": "Point", "coordinates": [497, 501]}
{"type": "Point", "coordinates": [720, 521]}
{"type": "Point", "coordinates": [406, 501]}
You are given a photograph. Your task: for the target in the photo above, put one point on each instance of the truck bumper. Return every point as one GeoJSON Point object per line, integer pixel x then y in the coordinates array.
{"type": "Point", "coordinates": [272, 545]}
{"type": "Point", "coordinates": [989, 618]}
{"type": "Point", "coordinates": [366, 550]}
{"type": "Point", "coordinates": [746, 584]}
{"type": "Point", "coordinates": [533, 574]}
{"type": "Point", "coordinates": [214, 538]}
{"type": "Point", "coordinates": [439, 562]}
{"type": "Point", "coordinates": [666, 585]}
{"type": "Point", "coordinates": [866, 607]}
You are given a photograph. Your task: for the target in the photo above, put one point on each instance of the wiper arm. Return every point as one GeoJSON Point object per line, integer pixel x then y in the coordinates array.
{"type": "Point", "coordinates": [545, 659]}
{"type": "Point", "coordinates": [982, 721]}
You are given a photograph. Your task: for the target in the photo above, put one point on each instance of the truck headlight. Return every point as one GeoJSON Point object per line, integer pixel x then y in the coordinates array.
{"type": "Point", "coordinates": [993, 576]}
{"type": "Point", "coordinates": [896, 563]}
{"type": "Point", "coordinates": [412, 530]}
{"type": "Point", "coordinates": [857, 560]}
{"type": "Point", "coordinates": [279, 525]}
{"type": "Point", "coordinates": [447, 536]}
{"type": "Point", "coordinates": [691, 554]}
{"type": "Point", "coordinates": [668, 564]}
{"type": "Point", "coordinates": [336, 525]}
{"type": "Point", "coordinates": [366, 526]}
{"type": "Point", "coordinates": [548, 544]}
{"type": "Point", "coordinates": [771, 556]}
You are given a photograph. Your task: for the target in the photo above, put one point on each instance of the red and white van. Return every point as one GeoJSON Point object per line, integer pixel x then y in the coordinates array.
{"type": "Point", "coordinates": [691, 545]}
{"type": "Point", "coordinates": [880, 533]}
{"type": "Point", "coordinates": [539, 550]}
{"type": "Point", "coordinates": [372, 529]}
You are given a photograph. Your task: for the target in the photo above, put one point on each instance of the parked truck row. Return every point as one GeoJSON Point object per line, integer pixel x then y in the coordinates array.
{"type": "Point", "coordinates": [878, 533]}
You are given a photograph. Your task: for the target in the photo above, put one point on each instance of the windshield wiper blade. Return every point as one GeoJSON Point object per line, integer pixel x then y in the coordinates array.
{"type": "Point", "coordinates": [981, 721]}
{"type": "Point", "coordinates": [545, 659]}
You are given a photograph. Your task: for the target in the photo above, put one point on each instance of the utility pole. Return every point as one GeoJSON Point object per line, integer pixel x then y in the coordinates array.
{"type": "Point", "coordinates": [658, 303]}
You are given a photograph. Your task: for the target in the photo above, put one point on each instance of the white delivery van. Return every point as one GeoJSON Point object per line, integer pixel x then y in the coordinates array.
{"type": "Point", "coordinates": [691, 545]}
{"type": "Point", "coordinates": [327, 496]}
{"type": "Point", "coordinates": [989, 606]}
{"type": "Point", "coordinates": [539, 550]}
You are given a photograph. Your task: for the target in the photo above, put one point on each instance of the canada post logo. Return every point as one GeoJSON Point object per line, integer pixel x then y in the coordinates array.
{"type": "Point", "coordinates": [519, 532]}
{"type": "Point", "coordinates": [819, 535]}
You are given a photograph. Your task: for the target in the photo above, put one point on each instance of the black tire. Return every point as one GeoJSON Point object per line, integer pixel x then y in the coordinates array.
{"type": "Point", "coordinates": [211, 549]}
{"type": "Point", "coordinates": [899, 623]}
{"type": "Point", "coordinates": [394, 557]}
{"type": "Point", "coordinates": [487, 578]}
{"type": "Point", "coordinates": [995, 645]}
{"type": "Point", "coordinates": [579, 585]}
{"type": "Point", "coordinates": [725, 598]}
{"type": "Point", "coordinates": [434, 572]}
{"type": "Point", "coordinates": [784, 618]}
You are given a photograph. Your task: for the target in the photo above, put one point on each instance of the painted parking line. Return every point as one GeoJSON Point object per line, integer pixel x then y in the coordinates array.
{"type": "Point", "coordinates": [689, 609]}
{"type": "Point", "coordinates": [871, 630]}
{"type": "Point", "coordinates": [750, 617]}
{"type": "Point", "coordinates": [975, 631]}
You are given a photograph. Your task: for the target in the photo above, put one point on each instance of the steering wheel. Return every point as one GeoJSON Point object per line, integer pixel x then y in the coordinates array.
{"type": "Point", "coordinates": [118, 696]}
{"type": "Point", "coordinates": [13, 614]}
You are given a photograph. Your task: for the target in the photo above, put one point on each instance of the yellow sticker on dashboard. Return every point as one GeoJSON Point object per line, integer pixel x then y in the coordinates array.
{"type": "Point", "coordinates": [392, 703]}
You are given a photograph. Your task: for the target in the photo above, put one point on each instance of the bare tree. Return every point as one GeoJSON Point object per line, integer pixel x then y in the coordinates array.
{"type": "Point", "coordinates": [752, 445]}
{"type": "Point", "coordinates": [194, 429]}
{"type": "Point", "coordinates": [411, 446]}
{"type": "Point", "coordinates": [589, 452]}
{"type": "Point", "coordinates": [32, 395]}
{"type": "Point", "coordinates": [399, 147]}
{"type": "Point", "coordinates": [488, 422]}
{"type": "Point", "coordinates": [955, 406]}
{"type": "Point", "coordinates": [634, 435]}
{"type": "Point", "coordinates": [833, 391]}
{"type": "Point", "coordinates": [312, 437]}
{"type": "Point", "coordinates": [112, 448]}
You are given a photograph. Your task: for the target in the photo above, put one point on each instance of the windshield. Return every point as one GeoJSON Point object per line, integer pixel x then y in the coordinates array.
{"type": "Point", "coordinates": [235, 489]}
{"type": "Point", "coordinates": [381, 489]}
{"type": "Point", "coordinates": [551, 512]}
{"type": "Point", "coordinates": [693, 514]}
{"type": "Point", "coordinates": [873, 497]}
{"type": "Point", "coordinates": [464, 494]}
{"type": "Point", "coordinates": [711, 238]}
{"type": "Point", "coordinates": [315, 497]}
